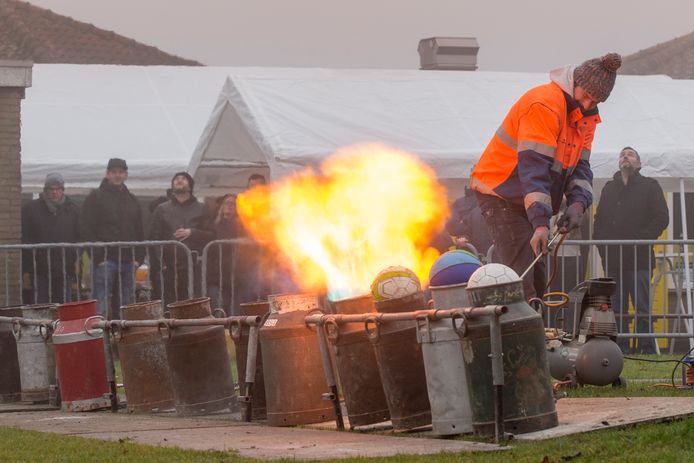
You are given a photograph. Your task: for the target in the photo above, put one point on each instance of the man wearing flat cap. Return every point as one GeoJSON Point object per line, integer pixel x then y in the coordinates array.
{"type": "Point", "coordinates": [112, 213]}
{"type": "Point", "coordinates": [539, 155]}
{"type": "Point", "coordinates": [49, 274]}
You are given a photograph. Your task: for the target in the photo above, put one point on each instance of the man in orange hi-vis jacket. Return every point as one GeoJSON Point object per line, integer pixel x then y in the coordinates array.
{"type": "Point", "coordinates": [539, 154]}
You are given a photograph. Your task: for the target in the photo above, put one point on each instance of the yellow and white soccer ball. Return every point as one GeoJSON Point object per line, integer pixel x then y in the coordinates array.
{"type": "Point", "coordinates": [394, 282]}
{"type": "Point", "coordinates": [492, 274]}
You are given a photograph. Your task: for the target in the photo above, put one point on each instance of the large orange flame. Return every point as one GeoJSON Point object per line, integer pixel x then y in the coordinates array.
{"type": "Point", "coordinates": [369, 207]}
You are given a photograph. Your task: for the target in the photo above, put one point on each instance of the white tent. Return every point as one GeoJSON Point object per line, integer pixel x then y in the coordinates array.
{"type": "Point", "coordinates": [76, 117]}
{"type": "Point", "coordinates": [279, 120]}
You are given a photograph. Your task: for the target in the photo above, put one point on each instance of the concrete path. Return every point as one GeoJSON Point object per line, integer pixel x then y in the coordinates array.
{"type": "Point", "coordinates": [583, 415]}
{"type": "Point", "coordinates": [251, 440]}
{"type": "Point", "coordinates": [260, 441]}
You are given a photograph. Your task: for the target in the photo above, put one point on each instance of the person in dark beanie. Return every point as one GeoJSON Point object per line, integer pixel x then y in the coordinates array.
{"type": "Point", "coordinates": [631, 207]}
{"type": "Point", "coordinates": [538, 155]}
{"type": "Point", "coordinates": [52, 218]}
{"type": "Point", "coordinates": [182, 218]}
{"type": "Point", "coordinates": [112, 213]}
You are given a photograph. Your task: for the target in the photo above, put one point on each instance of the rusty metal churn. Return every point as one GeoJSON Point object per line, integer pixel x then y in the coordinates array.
{"type": "Point", "coordinates": [401, 364]}
{"type": "Point", "coordinates": [451, 412]}
{"type": "Point", "coordinates": [10, 384]}
{"type": "Point", "coordinates": [199, 362]}
{"type": "Point", "coordinates": [356, 364]}
{"type": "Point", "coordinates": [79, 356]}
{"type": "Point", "coordinates": [294, 380]}
{"type": "Point", "coordinates": [35, 353]}
{"type": "Point", "coordinates": [143, 360]}
{"type": "Point", "coordinates": [240, 337]}
{"type": "Point", "coordinates": [528, 401]}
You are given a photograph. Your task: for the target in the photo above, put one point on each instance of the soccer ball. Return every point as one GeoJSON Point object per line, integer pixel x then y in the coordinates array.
{"type": "Point", "coordinates": [394, 282]}
{"type": "Point", "coordinates": [492, 274]}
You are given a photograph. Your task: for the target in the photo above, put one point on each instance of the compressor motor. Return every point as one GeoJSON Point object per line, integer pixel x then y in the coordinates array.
{"type": "Point", "coordinates": [588, 353]}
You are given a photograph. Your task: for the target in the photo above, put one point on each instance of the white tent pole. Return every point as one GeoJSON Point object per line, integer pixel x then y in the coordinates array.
{"type": "Point", "coordinates": [687, 270]}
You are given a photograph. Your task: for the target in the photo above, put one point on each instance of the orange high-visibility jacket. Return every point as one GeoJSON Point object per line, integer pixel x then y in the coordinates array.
{"type": "Point", "coordinates": [539, 154]}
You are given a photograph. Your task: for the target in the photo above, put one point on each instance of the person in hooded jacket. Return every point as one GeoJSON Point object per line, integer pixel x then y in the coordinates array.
{"type": "Point", "coordinates": [631, 207]}
{"type": "Point", "coordinates": [221, 259]}
{"type": "Point", "coordinates": [52, 218]}
{"type": "Point", "coordinates": [112, 213]}
{"type": "Point", "coordinates": [467, 225]}
{"type": "Point", "coordinates": [538, 155]}
{"type": "Point", "coordinates": [185, 219]}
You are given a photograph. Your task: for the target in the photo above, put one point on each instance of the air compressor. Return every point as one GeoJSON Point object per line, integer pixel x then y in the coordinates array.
{"type": "Point", "coordinates": [588, 353]}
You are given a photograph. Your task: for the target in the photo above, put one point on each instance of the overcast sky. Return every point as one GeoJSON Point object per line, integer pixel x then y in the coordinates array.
{"type": "Point", "coordinates": [528, 35]}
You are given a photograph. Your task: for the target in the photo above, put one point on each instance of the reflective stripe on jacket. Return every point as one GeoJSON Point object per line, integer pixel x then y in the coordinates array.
{"type": "Point", "coordinates": [540, 152]}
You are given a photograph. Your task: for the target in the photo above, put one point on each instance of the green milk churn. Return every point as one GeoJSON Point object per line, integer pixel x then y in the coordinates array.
{"type": "Point", "coordinates": [528, 401]}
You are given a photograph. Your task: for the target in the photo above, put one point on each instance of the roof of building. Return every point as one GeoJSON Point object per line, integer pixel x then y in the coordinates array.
{"type": "Point", "coordinates": [28, 32]}
{"type": "Point", "coordinates": [674, 58]}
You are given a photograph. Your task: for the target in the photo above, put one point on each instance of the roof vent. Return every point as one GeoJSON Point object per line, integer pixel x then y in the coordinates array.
{"type": "Point", "coordinates": [448, 53]}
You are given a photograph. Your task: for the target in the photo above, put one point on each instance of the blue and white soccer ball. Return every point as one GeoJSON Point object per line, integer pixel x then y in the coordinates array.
{"type": "Point", "coordinates": [492, 274]}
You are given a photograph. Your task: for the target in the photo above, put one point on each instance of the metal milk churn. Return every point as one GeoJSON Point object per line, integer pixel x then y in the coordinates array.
{"type": "Point", "coordinates": [451, 412]}
{"type": "Point", "coordinates": [356, 364]}
{"type": "Point", "coordinates": [10, 384]}
{"type": "Point", "coordinates": [400, 363]}
{"type": "Point", "coordinates": [294, 380]}
{"type": "Point", "coordinates": [143, 360]}
{"type": "Point", "coordinates": [528, 402]}
{"type": "Point", "coordinates": [260, 309]}
{"type": "Point", "coordinates": [79, 356]}
{"type": "Point", "coordinates": [35, 353]}
{"type": "Point", "coordinates": [199, 362]}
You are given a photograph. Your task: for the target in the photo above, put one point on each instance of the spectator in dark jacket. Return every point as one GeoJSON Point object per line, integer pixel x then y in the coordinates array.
{"type": "Point", "coordinates": [154, 252]}
{"type": "Point", "coordinates": [220, 258]}
{"type": "Point", "coordinates": [112, 213]}
{"type": "Point", "coordinates": [182, 218]}
{"type": "Point", "coordinates": [52, 218]}
{"type": "Point", "coordinates": [631, 207]}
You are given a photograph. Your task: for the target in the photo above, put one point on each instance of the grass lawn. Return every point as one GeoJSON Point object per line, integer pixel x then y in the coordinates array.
{"type": "Point", "coordinates": [661, 442]}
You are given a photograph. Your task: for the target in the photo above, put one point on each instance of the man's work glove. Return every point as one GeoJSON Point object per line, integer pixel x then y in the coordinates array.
{"type": "Point", "coordinates": [539, 240]}
{"type": "Point", "coordinates": [571, 219]}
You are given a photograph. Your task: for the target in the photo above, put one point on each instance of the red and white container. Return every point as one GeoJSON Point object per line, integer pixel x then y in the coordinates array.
{"type": "Point", "coordinates": [79, 357]}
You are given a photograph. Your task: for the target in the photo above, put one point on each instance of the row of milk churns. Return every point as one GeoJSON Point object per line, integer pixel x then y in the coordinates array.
{"type": "Point", "coordinates": [413, 372]}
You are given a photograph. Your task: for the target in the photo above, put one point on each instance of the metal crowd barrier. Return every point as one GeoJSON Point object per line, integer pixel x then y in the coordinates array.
{"type": "Point", "coordinates": [668, 291]}
{"type": "Point", "coordinates": [229, 278]}
{"type": "Point", "coordinates": [82, 276]}
{"type": "Point", "coordinates": [670, 305]}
